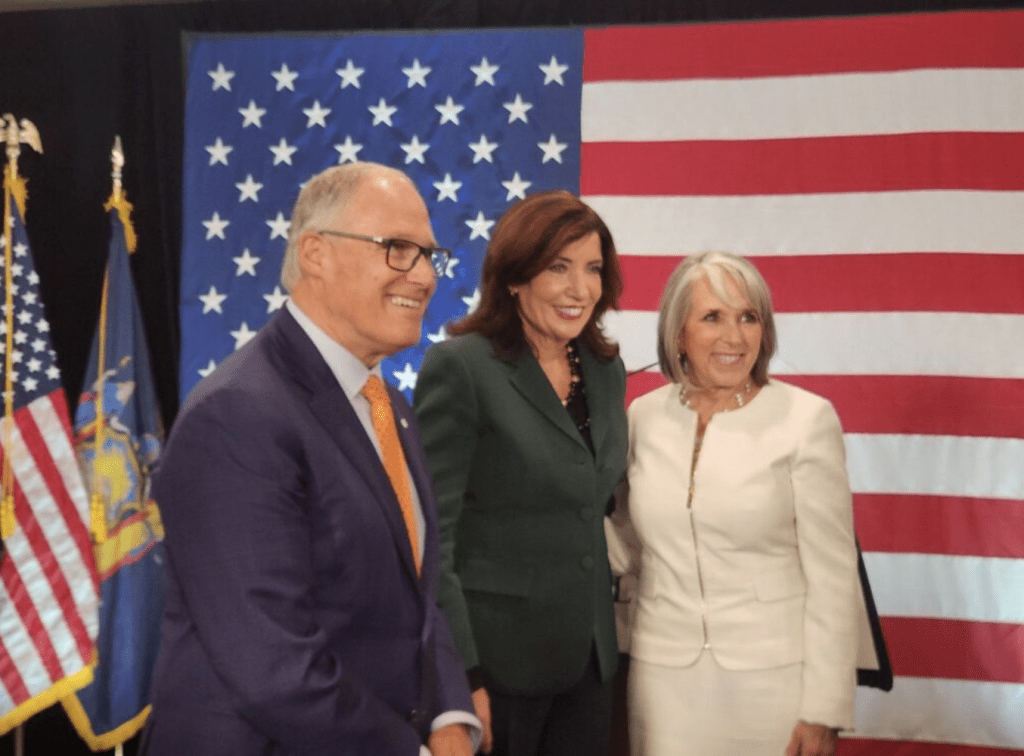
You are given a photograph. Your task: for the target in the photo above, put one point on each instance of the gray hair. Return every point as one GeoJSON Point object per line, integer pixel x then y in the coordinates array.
{"type": "Point", "coordinates": [677, 298]}
{"type": "Point", "coordinates": [322, 196]}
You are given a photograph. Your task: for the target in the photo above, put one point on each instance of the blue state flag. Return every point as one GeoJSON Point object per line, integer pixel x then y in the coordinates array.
{"type": "Point", "coordinates": [118, 436]}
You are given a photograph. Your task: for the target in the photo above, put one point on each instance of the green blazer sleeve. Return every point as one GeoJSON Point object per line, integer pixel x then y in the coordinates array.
{"type": "Point", "coordinates": [446, 409]}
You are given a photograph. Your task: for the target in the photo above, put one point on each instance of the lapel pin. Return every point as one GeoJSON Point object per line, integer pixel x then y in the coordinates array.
{"type": "Point", "coordinates": [404, 422]}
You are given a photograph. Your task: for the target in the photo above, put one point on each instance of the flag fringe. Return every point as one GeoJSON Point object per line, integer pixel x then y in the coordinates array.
{"type": "Point", "coordinates": [59, 690]}
{"type": "Point", "coordinates": [107, 740]}
{"type": "Point", "coordinates": [16, 188]}
{"type": "Point", "coordinates": [118, 201]}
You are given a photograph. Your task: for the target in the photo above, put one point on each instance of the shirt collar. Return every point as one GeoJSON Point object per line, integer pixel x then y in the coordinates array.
{"type": "Point", "coordinates": [349, 370]}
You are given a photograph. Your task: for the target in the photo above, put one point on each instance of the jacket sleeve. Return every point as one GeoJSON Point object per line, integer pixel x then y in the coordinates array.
{"type": "Point", "coordinates": [446, 408]}
{"type": "Point", "coordinates": [232, 491]}
{"type": "Point", "coordinates": [623, 544]}
{"type": "Point", "coordinates": [828, 556]}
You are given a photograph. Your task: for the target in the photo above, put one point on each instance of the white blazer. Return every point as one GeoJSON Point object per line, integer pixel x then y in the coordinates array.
{"type": "Point", "coordinates": [762, 571]}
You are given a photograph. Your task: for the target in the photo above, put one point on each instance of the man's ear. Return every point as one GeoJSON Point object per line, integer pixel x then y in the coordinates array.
{"type": "Point", "coordinates": [311, 249]}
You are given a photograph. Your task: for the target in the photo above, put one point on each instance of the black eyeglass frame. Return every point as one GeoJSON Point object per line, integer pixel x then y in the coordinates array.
{"type": "Point", "coordinates": [437, 257]}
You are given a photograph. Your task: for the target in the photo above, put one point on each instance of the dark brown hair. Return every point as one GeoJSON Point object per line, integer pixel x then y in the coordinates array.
{"type": "Point", "coordinates": [527, 238]}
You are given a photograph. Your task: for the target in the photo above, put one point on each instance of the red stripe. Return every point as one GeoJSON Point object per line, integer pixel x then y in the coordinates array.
{"type": "Point", "coordinates": [73, 522]}
{"type": "Point", "coordinates": [77, 527]}
{"type": "Point", "coordinates": [934, 405]}
{"type": "Point", "coordinates": [872, 163]}
{"type": "Point", "coordinates": [866, 747]}
{"type": "Point", "coordinates": [639, 384]}
{"type": "Point", "coordinates": [923, 282]}
{"type": "Point", "coordinates": [22, 599]}
{"type": "Point", "coordinates": [949, 525]}
{"type": "Point", "coordinates": [926, 647]}
{"type": "Point", "coordinates": [902, 404]}
{"type": "Point", "coordinates": [812, 46]}
{"type": "Point", "coordinates": [10, 676]}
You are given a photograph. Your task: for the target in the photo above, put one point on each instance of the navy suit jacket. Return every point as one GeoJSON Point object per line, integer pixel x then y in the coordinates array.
{"type": "Point", "coordinates": [295, 622]}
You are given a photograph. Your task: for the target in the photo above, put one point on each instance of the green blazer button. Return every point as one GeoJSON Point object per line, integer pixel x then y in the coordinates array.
{"type": "Point", "coordinates": [587, 562]}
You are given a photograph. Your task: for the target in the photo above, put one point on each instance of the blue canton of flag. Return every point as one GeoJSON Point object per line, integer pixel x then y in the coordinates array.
{"type": "Point", "coordinates": [117, 457]}
{"type": "Point", "coordinates": [477, 120]}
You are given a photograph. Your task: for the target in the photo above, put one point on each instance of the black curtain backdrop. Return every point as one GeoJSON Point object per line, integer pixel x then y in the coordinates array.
{"type": "Point", "coordinates": [83, 75]}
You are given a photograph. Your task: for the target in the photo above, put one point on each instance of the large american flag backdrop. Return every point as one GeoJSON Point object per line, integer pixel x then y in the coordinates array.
{"type": "Point", "coordinates": [873, 168]}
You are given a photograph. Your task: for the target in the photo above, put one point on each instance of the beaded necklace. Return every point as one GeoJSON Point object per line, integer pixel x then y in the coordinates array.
{"type": "Point", "coordinates": [575, 373]}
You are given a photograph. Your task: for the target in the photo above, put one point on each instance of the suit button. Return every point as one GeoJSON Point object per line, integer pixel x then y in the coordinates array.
{"type": "Point", "coordinates": [707, 645]}
{"type": "Point", "coordinates": [587, 514]}
{"type": "Point", "coordinates": [587, 562]}
{"type": "Point", "coordinates": [413, 716]}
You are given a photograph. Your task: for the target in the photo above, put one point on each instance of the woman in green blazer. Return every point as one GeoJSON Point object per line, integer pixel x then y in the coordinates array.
{"type": "Point", "coordinates": [523, 418]}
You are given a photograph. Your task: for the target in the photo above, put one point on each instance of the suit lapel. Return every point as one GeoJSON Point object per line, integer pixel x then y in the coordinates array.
{"type": "Point", "coordinates": [529, 380]}
{"type": "Point", "coordinates": [333, 410]}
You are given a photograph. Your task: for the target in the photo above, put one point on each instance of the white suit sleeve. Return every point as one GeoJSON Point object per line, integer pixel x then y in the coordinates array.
{"type": "Point", "coordinates": [828, 555]}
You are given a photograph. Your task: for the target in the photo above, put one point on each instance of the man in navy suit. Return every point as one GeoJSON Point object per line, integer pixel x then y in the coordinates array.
{"type": "Point", "coordinates": [301, 616]}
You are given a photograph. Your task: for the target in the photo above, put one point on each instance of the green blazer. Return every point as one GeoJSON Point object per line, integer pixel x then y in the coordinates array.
{"type": "Point", "coordinates": [524, 577]}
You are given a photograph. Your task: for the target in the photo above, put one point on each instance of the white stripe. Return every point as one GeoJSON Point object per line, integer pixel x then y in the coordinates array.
{"type": "Point", "coordinates": [843, 223]}
{"type": "Point", "coordinates": [76, 572]}
{"type": "Point", "coordinates": [62, 452]}
{"type": "Point", "coordinates": [977, 589]}
{"type": "Point", "coordinates": [20, 646]}
{"type": "Point", "coordinates": [935, 100]}
{"type": "Point", "coordinates": [900, 343]}
{"type": "Point", "coordinates": [948, 711]}
{"type": "Point", "coordinates": [963, 466]}
{"type": "Point", "coordinates": [864, 343]}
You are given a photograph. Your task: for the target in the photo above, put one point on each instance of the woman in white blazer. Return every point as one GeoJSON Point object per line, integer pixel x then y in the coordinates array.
{"type": "Point", "coordinates": [737, 518]}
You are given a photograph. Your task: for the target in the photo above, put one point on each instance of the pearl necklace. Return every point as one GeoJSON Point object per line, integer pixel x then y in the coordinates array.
{"type": "Point", "coordinates": [741, 398]}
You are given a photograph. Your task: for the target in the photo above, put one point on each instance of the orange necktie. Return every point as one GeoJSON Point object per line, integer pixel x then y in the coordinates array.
{"type": "Point", "coordinates": [394, 459]}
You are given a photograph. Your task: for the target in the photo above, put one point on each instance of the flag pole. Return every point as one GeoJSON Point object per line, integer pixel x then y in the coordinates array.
{"type": "Point", "coordinates": [14, 190]}
{"type": "Point", "coordinates": [97, 507]}
{"type": "Point", "coordinates": [119, 202]}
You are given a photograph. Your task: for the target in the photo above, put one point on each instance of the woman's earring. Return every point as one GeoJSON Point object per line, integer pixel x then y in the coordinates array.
{"type": "Point", "coordinates": [512, 291]}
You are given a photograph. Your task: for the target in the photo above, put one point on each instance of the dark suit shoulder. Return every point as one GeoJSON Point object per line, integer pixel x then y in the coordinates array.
{"type": "Point", "coordinates": [470, 354]}
{"type": "Point", "coordinates": [265, 365]}
{"type": "Point", "coordinates": [468, 346]}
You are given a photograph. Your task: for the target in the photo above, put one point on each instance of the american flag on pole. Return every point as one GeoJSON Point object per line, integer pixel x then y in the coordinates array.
{"type": "Point", "coordinates": [872, 168]}
{"type": "Point", "coordinates": [48, 604]}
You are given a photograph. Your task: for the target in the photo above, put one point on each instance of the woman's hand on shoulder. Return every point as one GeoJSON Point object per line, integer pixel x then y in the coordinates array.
{"type": "Point", "coordinates": [812, 740]}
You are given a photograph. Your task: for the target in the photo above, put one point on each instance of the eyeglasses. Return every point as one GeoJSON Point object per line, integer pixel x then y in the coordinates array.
{"type": "Point", "coordinates": [402, 254]}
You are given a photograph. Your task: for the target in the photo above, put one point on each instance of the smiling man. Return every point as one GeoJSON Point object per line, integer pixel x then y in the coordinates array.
{"type": "Point", "coordinates": [301, 536]}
